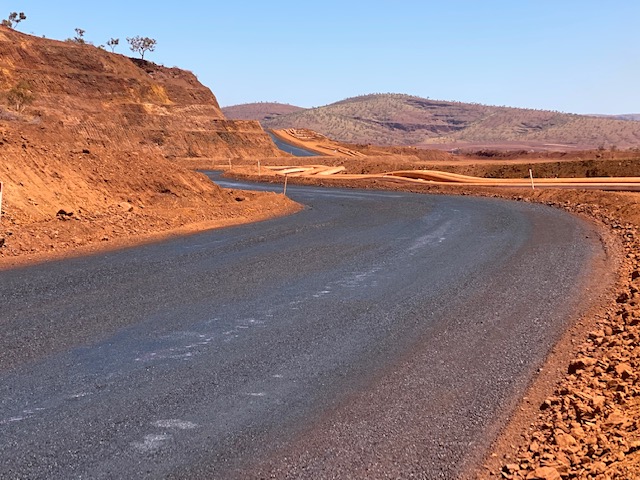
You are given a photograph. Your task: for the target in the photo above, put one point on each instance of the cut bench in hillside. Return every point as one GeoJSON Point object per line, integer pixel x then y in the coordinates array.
{"type": "Point", "coordinates": [100, 137]}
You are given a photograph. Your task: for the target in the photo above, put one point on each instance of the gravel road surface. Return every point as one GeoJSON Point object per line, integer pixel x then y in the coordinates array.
{"type": "Point", "coordinates": [373, 334]}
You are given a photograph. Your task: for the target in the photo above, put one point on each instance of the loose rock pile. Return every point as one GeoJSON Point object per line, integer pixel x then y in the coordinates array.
{"type": "Point", "coordinates": [590, 427]}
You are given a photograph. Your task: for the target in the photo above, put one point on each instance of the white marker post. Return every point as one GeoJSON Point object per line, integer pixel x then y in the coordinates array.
{"type": "Point", "coordinates": [285, 185]}
{"type": "Point", "coordinates": [229, 163]}
{"type": "Point", "coordinates": [1, 185]}
{"type": "Point", "coordinates": [259, 168]}
{"type": "Point", "coordinates": [531, 177]}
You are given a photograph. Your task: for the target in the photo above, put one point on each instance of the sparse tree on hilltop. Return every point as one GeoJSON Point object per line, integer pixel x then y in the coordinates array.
{"type": "Point", "coordinates": [79, 38]}
{"type": "Point", "coordinates": [14, 19]}
{"type": "Point", "coordinates": [113, 43]}
{"type": "Point", "coordinates": [141, 45]}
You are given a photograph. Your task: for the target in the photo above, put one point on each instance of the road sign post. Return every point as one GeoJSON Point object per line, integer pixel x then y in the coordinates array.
{"type": "Point", "coordinates": [1, 185]}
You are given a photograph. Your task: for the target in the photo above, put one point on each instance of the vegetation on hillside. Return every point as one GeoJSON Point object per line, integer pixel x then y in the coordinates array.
{"type": "Point", "coordinates": [19, 96]}
{"type": "Point", "coordinates": [141, 45]}
{"type": "Point", "coordinates": [395, 119]}
{"type": "Point", "coordinates": [13, 19]}
{"type": "Point", "coordinates": [138, 44]}
{"type": "Point", "coordinates": [113, 43]}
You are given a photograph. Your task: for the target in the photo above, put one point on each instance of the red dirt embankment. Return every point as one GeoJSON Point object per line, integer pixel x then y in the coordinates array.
{"type": "Point", "coordinates": [58, 199]}
{"type": "Point", "coordinates": [87, 149]}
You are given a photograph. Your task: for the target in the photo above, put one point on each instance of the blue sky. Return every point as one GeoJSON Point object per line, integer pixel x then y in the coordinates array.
{"type": "Point", "coordinates": [572, 56]}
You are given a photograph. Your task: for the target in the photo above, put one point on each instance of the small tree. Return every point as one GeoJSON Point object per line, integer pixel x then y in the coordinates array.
{"type": "Point", "coordinates": [113, 43]}
{"type": "Point", "coordinates": [14, 19]}
{"type": "Point", "coordinates": [79, 38]}
{"type": "Point", "coordinates": [20, 96]}
{"type": "Point", "coordinates": [142, 44]}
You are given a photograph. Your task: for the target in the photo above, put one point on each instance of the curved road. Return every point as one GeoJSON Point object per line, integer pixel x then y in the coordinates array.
{"type": "Point", "coordinates": [290, 148]}
{"type": "Point", "coordinates": [372, 334]}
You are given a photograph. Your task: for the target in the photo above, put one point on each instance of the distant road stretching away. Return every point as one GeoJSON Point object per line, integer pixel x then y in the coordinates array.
{"type": "Point", "coordinates": [292, 149]}
{"type": "Point", "coordinates": [373, 333]}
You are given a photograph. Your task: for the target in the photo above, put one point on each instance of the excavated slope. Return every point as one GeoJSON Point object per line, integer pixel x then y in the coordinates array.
{"type": "Point", "coordinates": [108, 99]}
{"type": "Point", "coordinates": [101, 131]}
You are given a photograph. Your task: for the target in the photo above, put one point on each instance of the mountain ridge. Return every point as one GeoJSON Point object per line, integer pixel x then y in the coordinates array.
{"type": "Point", "coordinates": [408, 120]}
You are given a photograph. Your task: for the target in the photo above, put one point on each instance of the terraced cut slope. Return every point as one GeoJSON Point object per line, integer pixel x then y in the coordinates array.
{"type": "Point", "coordinates": [95, 98]}
{"type": "Point", "coordinates": [88, 141]}
{"type": "Point", "coordinates": [394, 119]}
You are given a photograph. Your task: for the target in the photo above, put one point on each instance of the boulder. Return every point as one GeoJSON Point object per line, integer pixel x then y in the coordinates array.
{"type": "Point", "coordinates": [544, 473]}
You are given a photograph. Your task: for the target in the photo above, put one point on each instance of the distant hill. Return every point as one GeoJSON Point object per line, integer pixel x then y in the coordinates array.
{"type": "Point", "coordinates": [396, 119]}
{"type": "Point", "coordinates": [261, 111]}
{"type": "Point", "coordinates": [634, 117]}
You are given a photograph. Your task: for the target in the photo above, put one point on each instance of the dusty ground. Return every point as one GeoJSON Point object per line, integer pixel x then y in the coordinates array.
{"type": "Point", "coordinates": [58, 199]}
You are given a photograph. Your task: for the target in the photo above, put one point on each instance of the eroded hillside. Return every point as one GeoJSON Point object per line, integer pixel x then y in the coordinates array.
{"type": "Point", "coordinates": [107, 99]}
{"type": "Point", "coordinates": [90, 141]}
